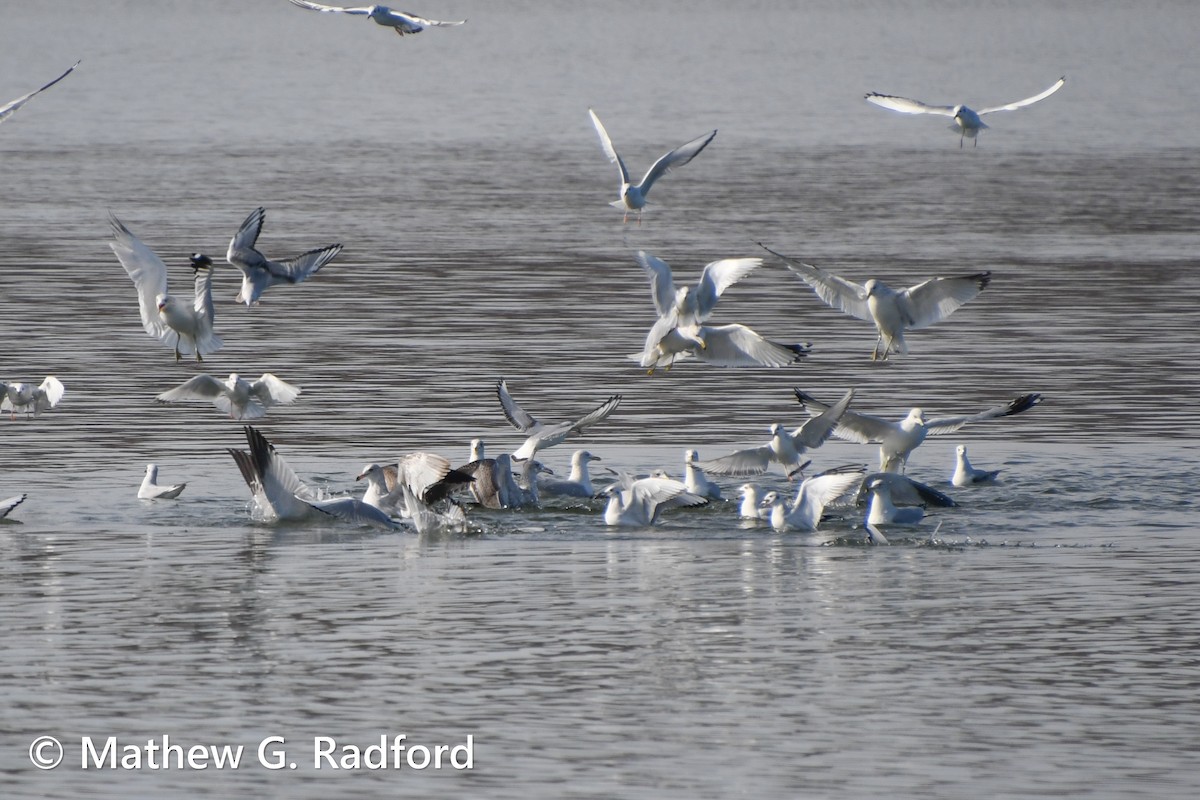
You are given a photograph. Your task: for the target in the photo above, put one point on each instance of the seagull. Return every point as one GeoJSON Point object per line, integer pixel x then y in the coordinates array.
{"type": "Point", "coordinates": [897, 440]}
{"type": "Point", "coordinates": [731, 345]}
{"type": "Point", "coordinates": [882, 511]}
{"type": "Point", "coordinates": [784, 448]}
{"type": "Point", "coordinates": [188, 330]}
{"type": "Point", "coordinates": [813, 495]}
{"type": "Point", "coordinates": [11, 503]}
{"type": "Point", "coordinates": [640, 502]}
{"type": "Point", "coordinates": [543, 436]}
{"type": "Point", "coordinates": [966, 121]}
{"type": "Point", "coordinates": [280, 495]}
{"type": "Point", "coordinates": [905, 491]}
{"type": "Point", "coordinates": [751, 506]}
{"type": "Point", "coordinates": [965, 474]}
{"type": "Point", "coordinates": [25, 398]}
{"type": "Point", "coordinates": [692, 304]}
{"type": "Point", "coordinates": [237, 397]}
{"type": "Point", "coordinates": [150, 490]}
{"type": "Point", "coordinates": [892, 312]}
{"type": "Point", "coordinates": [9, 109]}
{"type": "Point", "coordinates": [577, 484]}
{"type": "Point", "coordinates": [259, 273]}
{"type": "Point", "coordinates": [695, 480]}
{"type": "Point", "coordinates": [401, 21]}
{"type": "Point", "coordinates": [633, 198]}
{"type": "Point", "coordinates": [427, 476]}
{"type": "Point", "coordinates": [531, 469]}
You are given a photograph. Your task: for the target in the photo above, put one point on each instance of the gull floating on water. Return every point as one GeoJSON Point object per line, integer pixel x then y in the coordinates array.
{"type": "Point", "coordinates": [577, 484]}
{"type": "Point", "coordinates": [150, 490]}
{"type": "Point", "coordinates": [188, 330]}
{"type": "Point", "coordinates": [633, 196]}
{"type": "Point", "coordinates": [965, 474]}
{"type": "Point", "coordinates": [640, 502]}
{"type": "Point", "coordinates": [25, 398]}
{"type": "Point", "coordinates": [750, 506]}
{"type": "Point", "coordinates": [8, 109]}
{"type": "Point", "coordinates": [905, 491]}
{"type": "Point", "coordinates": [784, 448]}
{"type": "Point", "coordinates": [8, 505]}
{"type": "Point", "coordinates": [427, 477]}
{"type": "Point", "coordinates": [542, 436]}
{"type": "Point", "coordinates": [401, 21]}
{"type": "Point", "coordinates": [695, 480]}
{"type": "Point", "coordinates": [892, 312]}
{"type": "Point", "coordinates": [260, 273]}
{"type": "Point", "coordinates": [235, 396]}
{"type": "Point", "coordinates": [897, 440]}
{"type": "Point", "coordinates": [881, 510]}
{"type": "Point", "coordinates": [280, 495]}
{"type": "Point", "coordinates": [811, 498]}
{"type": "Point", "coordinates": [967, 122]}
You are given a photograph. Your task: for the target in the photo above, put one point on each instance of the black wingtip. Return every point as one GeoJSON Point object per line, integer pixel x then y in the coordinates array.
{"type": "Point", "coordinates": [1023, 403]}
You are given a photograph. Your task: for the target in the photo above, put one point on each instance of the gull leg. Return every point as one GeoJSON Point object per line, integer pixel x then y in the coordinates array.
{"type": "Point", "coordinates": [178, 355]}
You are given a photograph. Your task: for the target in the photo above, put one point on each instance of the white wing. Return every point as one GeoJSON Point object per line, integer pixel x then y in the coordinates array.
{"type": "Point", "coordinates": [149, 276]}
{"type": "Point", "coordinates": [851, 426]}
{"type": "Point", "coordinates": [9, 109]}
{"type": "Point", "coordinates": [739, 346]}
{"type": "Point", "coordinates": [676, 158]}
{"type": "Point", "coordinates": [242, 253]}
{"type": "Point", "coordinates": [517, 416]}
{"type": "Point", "coordinates": [751, 461]}
{"type": "Point", "coordinates": [328, 9]}
{"type": "Point", "coordinates": [838, 292]}
{"type": "Point", "coordinates": [818, 429]}
{"type": "Point", "coordinates": [271, 390]}
{"type": "Point", "coordinates": [355, 511]}
{"type": "Point", "coordinates": [938, 298]}
{"type": "Point", "coordinates": [662, 283]}
{"type": "Point", "coordinates": [609, 150]}
{"type": "Point", "coordinates": [271, 479]}
{"type": "Point", "coordinates": [201, 387]}
{"type": "Point", "coordinates": [52, 392]}
{"type": "Point", "coordinates": [716, 278]}
{"type": "Point", "coordinates": [940, 425]}
{"type": "Point", "coordinates": [1028, 101]}
{"type": "Point", "coordinates": [905, 105]}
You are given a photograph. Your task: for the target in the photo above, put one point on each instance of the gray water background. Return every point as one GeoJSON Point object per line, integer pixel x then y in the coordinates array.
{"type": "Point", "coordinates": [1042, 643]}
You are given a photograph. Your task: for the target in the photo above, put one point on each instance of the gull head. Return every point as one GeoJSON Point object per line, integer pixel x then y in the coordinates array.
{"type": "Point", "coordinates": [916, 417]}
{"type": "Point", "coordinates": [200, 261]}
{"type": "Point", "coordinates": [152, 471]}
{"type": "Point", "coordinates": [777, 430]}
{"type": "Point", "coordinates": [368, 470]}
{"type": "Point", "coordinates": [164, 301]}
{"type": "Point", "coordinates": [961, 450]}
{"type": "Point", "coordinates": [768, 499]}
{"type": "Point", "coordinates": [691, 456]}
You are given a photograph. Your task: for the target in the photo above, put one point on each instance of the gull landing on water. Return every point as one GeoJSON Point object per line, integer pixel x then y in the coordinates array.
{"type": "Point", "coordinates": [8, 109]}
{"type": "Point", "coordinates": [633, 196]}
{"type": "Point", "coordinates": [237, 397]}
{"type": "Point", "coordinates": [400, 21]}
{"type": "Point", "coordinates": [25, 398]}
{"type": "Point", "coordinates": [259, 273]}
{"type": "Point", "coordinates": [966, 121]}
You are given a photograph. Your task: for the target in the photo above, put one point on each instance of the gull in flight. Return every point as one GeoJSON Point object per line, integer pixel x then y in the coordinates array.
{"type": "Point", "coordinates": [237, 397]}
{"type": "Point", "coordinates": [25, 398]}
{"type": "Point", "coordinates": [784, 448]}
{"type": "Point", "coordinates": [640, 502]}
{"type": "Point", "coordinates": [259, 273]}
{"type": "Point", "coordinates": [8, 505]}
{"type": "Point", "coordinates": [9, 109]}
{"type": "Point", "coordinates": [966, 121]}
{"type": "Point", "coordinates": [280, 495]}
{"type": "Point", "coordinates": [897, 440]}
{"type": "Point", "coordinates": [150, 490]}
{"type": "Point", "coordinates": [965, 474]}
{"type": "Point", "coordinates": [692, 304]}
{"type": "Point", "coordinates": [401, 21]}
{"type": "Point", "coordinates": [633, 196]}
{"type": "Point", "coordinates": [731, 345]}
{"type": "Point", "coordinates": [578, 483]}
{"type": "Point", "coordinates": [541, 436]}
{"type": "Point", "coordinates": [814, 494]}
{"type": "Point", "coordinates": [893, 312]}
{"type": "Point", "coordinates": [188, 330]}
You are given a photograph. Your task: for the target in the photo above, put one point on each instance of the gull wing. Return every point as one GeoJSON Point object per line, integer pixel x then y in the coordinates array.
{"type": "Point", "coordinates": [241, 251]}
{"type": "Point", "coordinates": [361, 11]}
{"type": "Point", "coordinates": [270, 389]}
{"type": "Point", "coordinates": [676, 158]}
{"type": "Point", "coordinates": [940, 425]}
{"type": "Point", "coordinates": [851, 426]}
{"type": "Point", "coordinates": [203, 303]}
{"type": "Point", "coordinates": [938, 298]}
{"type": "Point", "coordinates": [418, 471]}
{"type": "Point", "coordinates": [271, 479]}
{"type": "Point", "coordinates": [751, 461]}
{"type": "Point", "coordinates": [518, 417]}
{"type": "Point", "coordinates": [837, 292]}
{"type": "Point", "coordinates": [149, 276]}
{"type": "Point", "coordinates": [10, 108]}
{"type": "Point", "coordinates": [596, 415]}
{"type": "Point", "coordinates": [1028, 101]}
{"type": "Point", "coordinates": [51, 391]}
{"type": "Point", "coordinates": [294, 270]}
{"type": "Point", "coordinates": [11, 503]}
{"type": "Point", "coordinates": [354, 511]}
{"type": "Point", "coordinates": [905, 491]}
{"type": "Point", "coordinates": [609, 150]}
{"type": "Point", "coordinates": [716, 278]}
{"type": "Point", "coordinates": [906, 105]}
{"type": "Point", "coordinates": [200, 387]}
{"type": "Point", "coordinates": [428, 23]}
{"type": "Point", "coordinates": [739, 346]}
{"type": "Point", "coordinates": [817, 430]}
{"type": "Point", "coordinates": [662, 283]}
{"type": "Point", "coordinates": [819, 491]}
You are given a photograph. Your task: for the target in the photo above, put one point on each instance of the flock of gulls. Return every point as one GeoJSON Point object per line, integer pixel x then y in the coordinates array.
{"type": "Point", "coordinates": [427, 492]}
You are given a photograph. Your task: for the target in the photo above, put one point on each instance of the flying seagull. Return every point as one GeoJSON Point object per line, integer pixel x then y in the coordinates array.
{"type": "Point", "coordinates": [633, 196]}
{"type": "Point", "coordinates": [966, 121]}
{"type": "Point", "coordinates": [9, 109]}
{"type": "Point", "coordinates": [237, 397]}
{"type": "Point", "coordinates": [260, 273]}
{"type": "Point", "coordinates": [541, 436]}
{"type": "Point", "coordinates": [25, 398]}
{"type": "Point", "coordinates": [892, 312]}
{"type": "Point", "coordinates": [400, 21]}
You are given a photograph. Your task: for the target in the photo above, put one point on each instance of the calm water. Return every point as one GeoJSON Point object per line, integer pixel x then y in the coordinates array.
{"type": "Point", "coordinates": [1040, 640]}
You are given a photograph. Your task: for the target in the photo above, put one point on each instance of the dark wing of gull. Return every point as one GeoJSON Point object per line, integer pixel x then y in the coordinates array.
{"type": "Point", "coordinates": [10, 108]}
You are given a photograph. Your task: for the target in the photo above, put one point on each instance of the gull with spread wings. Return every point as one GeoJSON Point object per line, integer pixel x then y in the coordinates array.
{"type": "Point", "coordinates": [237, 397]}
{"type": "Point", "coordinates": [400, 21]}
{"type": "Point", "coordinates": [8, 109]}
{"type": "Point", "coordinates": [542, 436]}
{"type": "Point", "coordinates": [260, 273]}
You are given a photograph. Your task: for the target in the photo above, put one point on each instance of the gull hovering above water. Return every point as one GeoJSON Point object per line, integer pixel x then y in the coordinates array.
{"type": "Point", "coordinates": [401, 21]}
{"type": "Point", "coordinates": [966, 121]}
{"type": "Point", "coordinates": [8, 109]}
{"type": "Point", "coordinates": [25, 398]}
{"type": "Point", "coordinates": [237, 397]}
{"type": "Point", "coordinates": [260, 273]}
{"type": "Point", "coordinates": [188, 330]}
{"type": "Point", "coordinates": [892, 312]}
{"type": "Point", "coordinates": [897, 440]}
{"type": "Point", "coordinates": [633, 196]}
{"type": "Point", "coordinates": [542, 436]}
{"type": "Point", "coordinates": [692, 304]}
